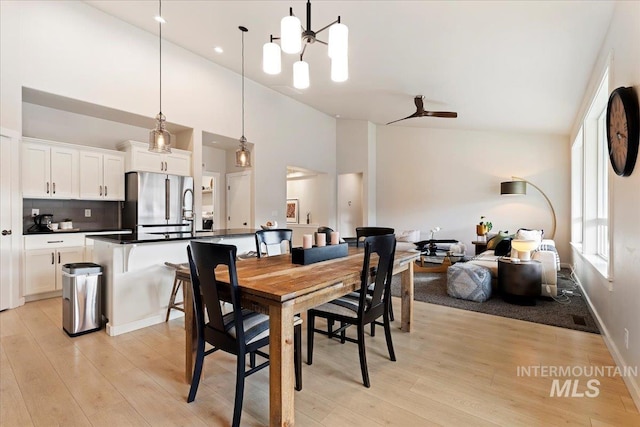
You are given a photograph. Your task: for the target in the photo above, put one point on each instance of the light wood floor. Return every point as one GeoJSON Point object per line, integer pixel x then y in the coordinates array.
{"type": "Point", "coordinates": [458, 368]}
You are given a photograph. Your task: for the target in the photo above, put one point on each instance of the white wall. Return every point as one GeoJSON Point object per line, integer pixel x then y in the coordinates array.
{"type": "Point", "coordinates": [310, 193]}
{"type": "Point", "coordinates": [619, 307]}
{"type": "Point", "coordinates": [449, 178]}
{"type": "Point", "coordinates": [73, 50]}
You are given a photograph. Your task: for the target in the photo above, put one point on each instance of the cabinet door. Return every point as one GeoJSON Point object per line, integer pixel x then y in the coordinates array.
{"type": "Point", "coordinates": [178, 164]}
{"type": "Point", "coordinates": [91, 172]}
{"type": "Point", "coordinates": [113, 177]}
{"type": "Point", "coordinates": [143, 160]}
{"type": "Point", "coordinates": [39, 271]}
{"type": "Point", "coordinates": [64, 173]}
{"type": "Point", "coordinates": [36, 172]}
{"type": "Point", "coordinates": [66, 256]}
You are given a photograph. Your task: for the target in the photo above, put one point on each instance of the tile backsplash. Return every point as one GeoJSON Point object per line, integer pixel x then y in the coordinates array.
{"type": "Point", "coordinates": [104, 214]}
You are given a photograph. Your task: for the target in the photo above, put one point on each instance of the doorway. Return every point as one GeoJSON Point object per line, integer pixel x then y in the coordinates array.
{"type": "Point", "coordinates": [239, 200]}
{"type": "Point", "coordinates": [210, 200]}
{"type": "Point", "coordinates": [350, 203]}
{"type": "Point", "coordinates": [11, 231]}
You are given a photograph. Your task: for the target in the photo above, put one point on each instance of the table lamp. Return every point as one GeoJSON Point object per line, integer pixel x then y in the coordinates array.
{"type": "Point", "coordinates": [524, 248]}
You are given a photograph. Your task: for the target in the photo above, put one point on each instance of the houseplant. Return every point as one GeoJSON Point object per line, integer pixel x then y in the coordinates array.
{"type": "Point", "coordinates": [483, 227]}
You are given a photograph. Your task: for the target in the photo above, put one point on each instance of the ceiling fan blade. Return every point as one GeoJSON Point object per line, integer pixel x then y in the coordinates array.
{"type": "Point", "coordinates": [418, 100]}
{"type": "Point", "coordinates": [408, 117]}
{"type": "Point", "coordinates": [444, 114]}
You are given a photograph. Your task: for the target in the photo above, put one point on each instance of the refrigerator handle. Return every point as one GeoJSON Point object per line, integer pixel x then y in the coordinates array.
{"type": "Point", "coordinates": [167, 198]}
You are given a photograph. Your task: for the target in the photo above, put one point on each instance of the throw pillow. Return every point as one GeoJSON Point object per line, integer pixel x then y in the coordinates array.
{"type": "Point", "coordinates": [503, 248]}
{"type": "Point", "coordinates": [495, 240]}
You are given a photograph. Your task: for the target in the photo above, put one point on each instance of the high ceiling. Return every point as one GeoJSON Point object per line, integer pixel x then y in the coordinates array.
{"type": "Point", "coordinates": [502, 65]}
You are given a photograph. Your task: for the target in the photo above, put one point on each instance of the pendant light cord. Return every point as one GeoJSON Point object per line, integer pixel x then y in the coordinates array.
{"type": "Point", "coordinates": [160, 43]}
{"type": "Point", "coordinates": [242, 81]}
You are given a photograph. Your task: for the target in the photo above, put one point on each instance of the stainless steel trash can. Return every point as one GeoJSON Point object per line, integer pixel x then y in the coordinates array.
{"type": "Point", "coordinates": [81, 298]}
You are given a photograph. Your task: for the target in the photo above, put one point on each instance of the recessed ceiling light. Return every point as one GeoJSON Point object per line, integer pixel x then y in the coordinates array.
{"type": "Point", "coordinates": [218, 49]}
{"type": "Point", "coordinates": [337, 116]}
{"type": "Point", "coordinates": [160, 19]}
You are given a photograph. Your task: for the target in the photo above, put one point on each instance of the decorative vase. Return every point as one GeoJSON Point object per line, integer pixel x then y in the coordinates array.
{"type": "Point", "coordinates": [481, 229]}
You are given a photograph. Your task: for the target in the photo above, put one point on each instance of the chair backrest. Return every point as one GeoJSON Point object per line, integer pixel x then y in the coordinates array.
{"type": "Point", "coordinates": [272, 237]}
{"type": "Point", "coordinates": [385, 247]}
{"type": "Point", "coordinates": [208, 291]}
{"type": "Point", "coordinates": [362, 232]}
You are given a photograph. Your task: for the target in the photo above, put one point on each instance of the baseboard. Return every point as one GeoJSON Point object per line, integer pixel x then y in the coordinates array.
{"type": "Point", "coordinates": [139, 324]}
{"type": "Point", "coordinates": [632, 385]}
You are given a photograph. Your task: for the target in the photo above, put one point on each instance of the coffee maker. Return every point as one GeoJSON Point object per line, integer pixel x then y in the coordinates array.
{"type": "Point", "coordinates": [42, 222]}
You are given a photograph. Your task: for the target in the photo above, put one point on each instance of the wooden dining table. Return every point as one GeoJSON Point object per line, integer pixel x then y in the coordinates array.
{"type": "Point", "coordinates": [277, 287]}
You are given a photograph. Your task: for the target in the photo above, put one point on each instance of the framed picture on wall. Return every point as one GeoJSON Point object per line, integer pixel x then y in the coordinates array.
{"type": "Point", "coordinates": [292, 211]}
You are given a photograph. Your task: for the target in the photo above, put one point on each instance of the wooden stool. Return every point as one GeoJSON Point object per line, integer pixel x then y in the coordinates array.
{"type": "Point", "coordinates": [182, 279]}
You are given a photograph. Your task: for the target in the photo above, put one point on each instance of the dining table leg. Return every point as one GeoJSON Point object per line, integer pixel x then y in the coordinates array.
{"type": "Point", "coordinates": [406, 295]}
{"type": "Point", "coordinates": [281, 366]}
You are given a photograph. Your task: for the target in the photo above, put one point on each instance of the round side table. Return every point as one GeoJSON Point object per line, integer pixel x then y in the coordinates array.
{"type": "Point", "coordinates": [520, 282]}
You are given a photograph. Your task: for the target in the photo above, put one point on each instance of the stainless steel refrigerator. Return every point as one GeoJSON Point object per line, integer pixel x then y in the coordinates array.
{"type": "Point", "coordinates": [158, 203]}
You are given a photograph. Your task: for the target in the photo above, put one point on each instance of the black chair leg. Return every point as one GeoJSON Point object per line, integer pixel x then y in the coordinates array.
{"type": "Point", "coordinates": [373, 329]}
{"type": "Point", "coordinates": [252, 360]}
{"type": "Point", "coordinates": [310, 327]}
{"type": "Point", "coordinates": [387, 334]}
{"type": "Point", "coordinates": [240, 374]}
{"type": "Point", "coordinates": [329, 327]}
{"type": "Point", "coordinates": [297, 355]}
{"type": "Point", "coordinates": [343, 333]}
{"type": "Point", "coordinates": [391, 312]}
{"type": "Point", "coordinates": [363, 356]}
{"type": "Point", "coordinates": [197, 372]}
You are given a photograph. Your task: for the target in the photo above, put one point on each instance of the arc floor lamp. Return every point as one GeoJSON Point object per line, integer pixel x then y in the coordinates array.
{"type": "Point", "coordinates": [518, 186]}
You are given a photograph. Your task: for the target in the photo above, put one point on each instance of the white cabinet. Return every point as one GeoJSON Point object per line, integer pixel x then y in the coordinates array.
{"type": "Point", "coordinates": [49, 171]}
{"type": "Point", "coordinates": [140, 159]}
{"type": "Point", "coordinates": [101, 175]}
{"type": "Point", "coordinates": [44, 257]}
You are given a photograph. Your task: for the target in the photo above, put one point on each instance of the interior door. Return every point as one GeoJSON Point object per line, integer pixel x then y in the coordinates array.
{"type": "Point", "coordinates": [239, 200]}
{"type": "Point", "coordinates": [9, 274]}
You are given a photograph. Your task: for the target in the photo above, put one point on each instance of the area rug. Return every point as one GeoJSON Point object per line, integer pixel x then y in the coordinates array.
{"type": "Point", "coordinates": [571, 312]}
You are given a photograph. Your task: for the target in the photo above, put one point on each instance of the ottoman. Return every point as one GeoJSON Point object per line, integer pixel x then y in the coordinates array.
{"type": "Point", "coordinates": [469, 281]}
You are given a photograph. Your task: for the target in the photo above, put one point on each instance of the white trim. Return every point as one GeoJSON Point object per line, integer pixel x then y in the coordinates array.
{"type": "Point", "coordinates": [631, 383]}
{"type": "Point", "coordinates": [139, 324]}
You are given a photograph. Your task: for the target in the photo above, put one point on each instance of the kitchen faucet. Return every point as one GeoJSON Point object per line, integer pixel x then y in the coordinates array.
{"type": "Point", "coordinates": [187, 214]}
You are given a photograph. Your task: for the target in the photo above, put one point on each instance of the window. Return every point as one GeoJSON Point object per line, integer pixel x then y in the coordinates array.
{"type": "Point", "coordinates": [590, 183]}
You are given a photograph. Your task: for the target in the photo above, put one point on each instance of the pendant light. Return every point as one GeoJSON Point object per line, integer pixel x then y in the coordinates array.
{"type": "Point", "coordinates": [159, 137]}
{"type": "Point", "coordinates": [243, 155]}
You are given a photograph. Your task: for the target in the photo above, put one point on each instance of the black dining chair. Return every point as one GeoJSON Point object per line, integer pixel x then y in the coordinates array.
{"type": "Point", "coordinates": [268, 238]}
{"type": "Point", "coordinates": [362, 233]}
{"type": "Point", "coordinates": [239, 332]}
{"type": "Point", "coordinates": [361, 308]}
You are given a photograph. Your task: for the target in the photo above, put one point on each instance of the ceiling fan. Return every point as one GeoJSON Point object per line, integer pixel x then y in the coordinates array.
{"type": "Point", "coordinates": [420, 112]}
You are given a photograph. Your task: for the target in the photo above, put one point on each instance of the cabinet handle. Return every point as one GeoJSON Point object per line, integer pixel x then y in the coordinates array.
{"type": "Point", "coordinates": [58, 257]}
{"type": "Point", "coordinates": [53, 260]}
{"type": "Point", "coordinates": [6, 232]}
{"type": "Point", "coordinates": [166, 167]}
{"type": "Point", "coordinates": [161, 166]}
{"type": "Point", "coordinates": [47, 187]}
{"type": "Point", "coordinates": [54, 188]}
{"type": "Point", "coordinates": [101, 190]}
{"type": "Point", "coordinates": [105, 191]}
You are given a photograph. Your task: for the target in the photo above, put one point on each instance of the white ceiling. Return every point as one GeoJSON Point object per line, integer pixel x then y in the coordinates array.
{"type": "Point", "coordinates": [502, 65]}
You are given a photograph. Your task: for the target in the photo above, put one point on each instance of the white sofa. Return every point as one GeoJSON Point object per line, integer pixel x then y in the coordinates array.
{"type": "Point", "coordinates": [546, 254]}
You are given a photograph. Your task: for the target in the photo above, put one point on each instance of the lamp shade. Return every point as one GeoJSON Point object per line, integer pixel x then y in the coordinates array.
{"type": "Point", "coordinates": [301, 75]}
{"type": "Point", "coordinates": [338, 41]}
{"type": "Point", "coordinates": [339, 69]}
{"type": "Point", "coordinates": [513, 187]}
{"type": "Point", "coordinates": [160, 138]}
{"type": "Point", "coordinates": [291, 34]}
{"type": "Point", "coordinates": [524, 248]}
{"type": "Point", "coordinates": [271, 58]}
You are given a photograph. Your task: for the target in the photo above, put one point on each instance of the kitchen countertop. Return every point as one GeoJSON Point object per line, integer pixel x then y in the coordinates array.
{"type": "Point", "coordinates": [134, 238]}
{"type": "Point", "coordinates": [75, 230]}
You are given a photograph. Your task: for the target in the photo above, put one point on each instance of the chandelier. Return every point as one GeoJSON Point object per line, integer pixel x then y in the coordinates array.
{"type": "Point", "coordinates": [294, 39]}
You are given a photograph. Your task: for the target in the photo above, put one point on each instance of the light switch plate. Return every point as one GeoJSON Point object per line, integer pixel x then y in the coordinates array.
{"type": "Point", "coordinates": [87, 213]}
{"type": "Point", "coordinates": [35, 212]}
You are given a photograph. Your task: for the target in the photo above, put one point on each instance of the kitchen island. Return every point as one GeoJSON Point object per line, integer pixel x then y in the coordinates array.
{"type": "Point", "coordinates": [137, 283]}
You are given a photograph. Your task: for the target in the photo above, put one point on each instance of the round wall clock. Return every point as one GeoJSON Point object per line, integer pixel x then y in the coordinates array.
{"type": "Point", "coordinates": [623, 130]}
